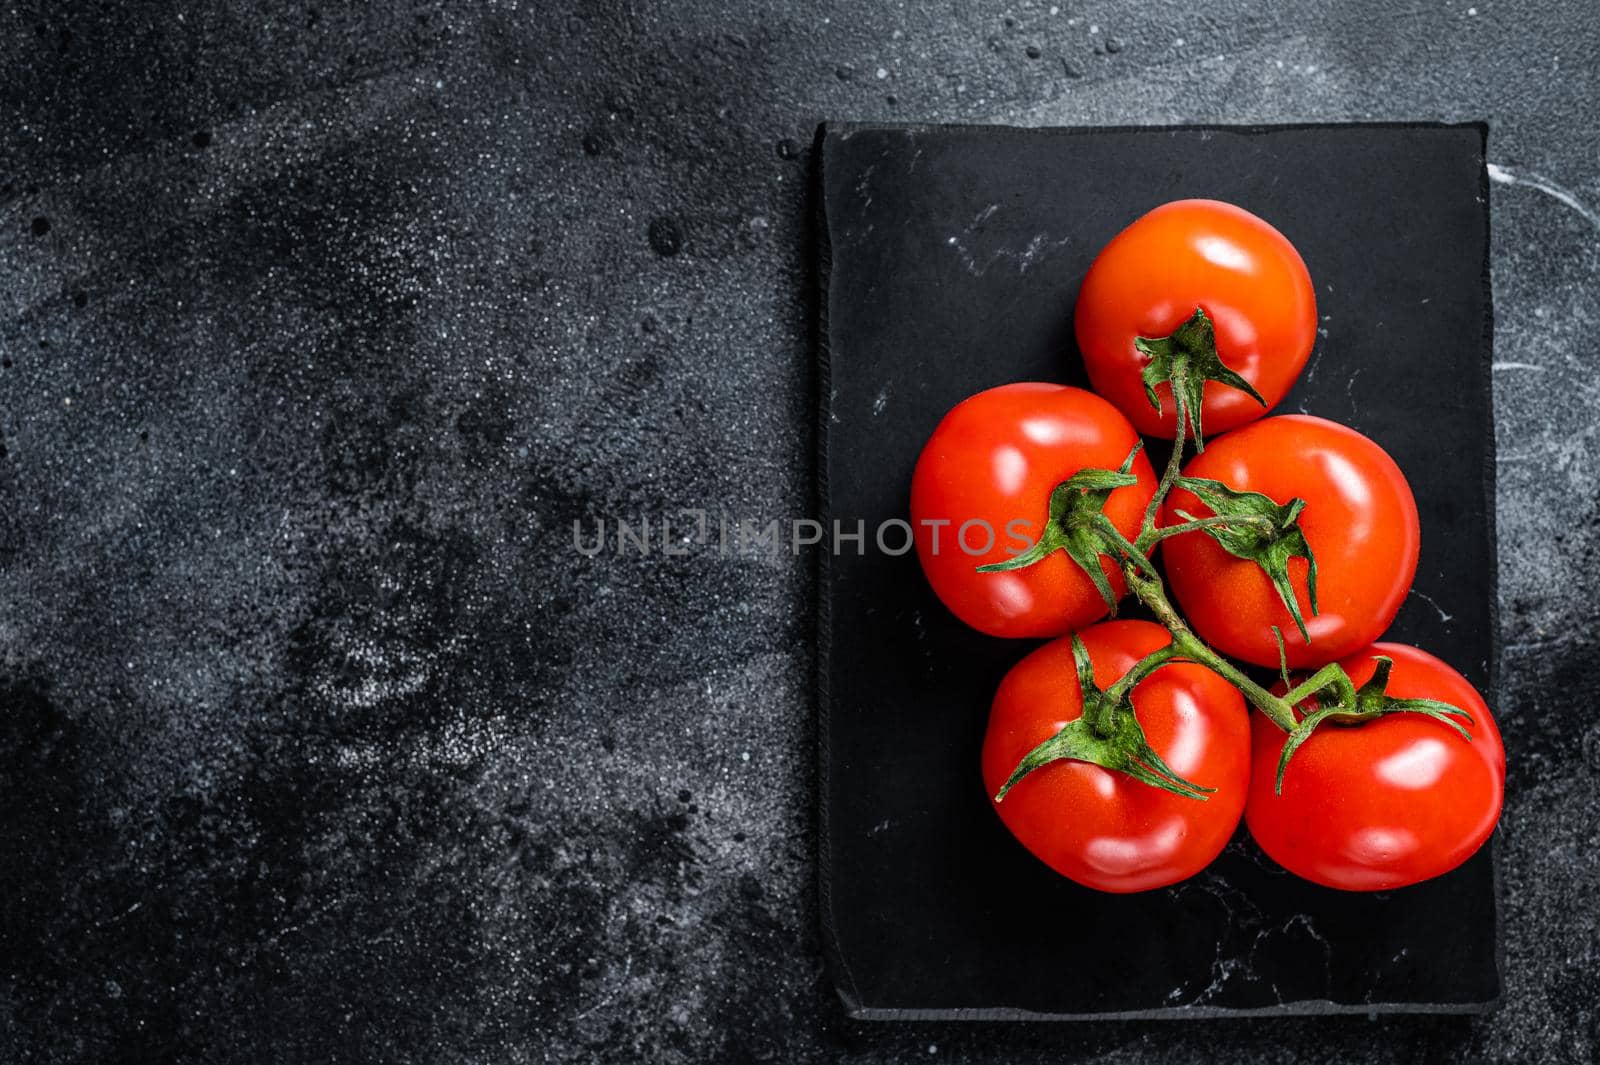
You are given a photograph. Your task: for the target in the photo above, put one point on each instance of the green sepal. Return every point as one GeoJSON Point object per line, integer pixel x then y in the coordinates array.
{"type": "Point", "coordinates": [1268, 534]}
{"type": "Point", "coordinates": [1078, 525]}
{"type": "Point", "coordinates": [1186, 359]}
{"type": "Point", "coordinates": [1298, 736]}
{"type": "Point", "coordinates": [1106, 734]}
{"type": "Point", "coordinates": [1283, 658]}
{"type": "Point", "coordinates": [1371, 701]}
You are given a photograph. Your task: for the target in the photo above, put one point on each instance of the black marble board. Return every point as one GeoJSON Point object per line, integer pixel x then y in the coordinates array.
{"type": "Point", "coordinates": [949, 260]}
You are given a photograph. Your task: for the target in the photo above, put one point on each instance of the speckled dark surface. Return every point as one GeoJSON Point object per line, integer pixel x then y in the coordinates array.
{"type": "Point", "coordinates": [319, 326]}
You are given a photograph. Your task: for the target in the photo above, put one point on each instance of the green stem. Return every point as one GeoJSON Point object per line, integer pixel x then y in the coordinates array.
{"type": "Point", "coordinates": [1186, 644]}
{"type": "Point", "coordinates": [1149, 589]}
{"type": "Point", "coordinates": [1206, 523]}
{"type": "Point", "coordinates": [1331, 674]}
{"type": "Point", "coordinates": [1148, 534]}
{"type": "Point", "coordinates": [1140, 671]}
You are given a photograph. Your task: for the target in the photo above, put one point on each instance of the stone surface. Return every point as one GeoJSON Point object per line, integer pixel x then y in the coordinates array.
{"type": "Point", "coordinates": [319, 325]}
{"type": "Point", "coordinates": [942, 282]}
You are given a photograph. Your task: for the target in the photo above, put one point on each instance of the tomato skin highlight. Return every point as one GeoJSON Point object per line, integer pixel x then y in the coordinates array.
{"type": "Point", "coordinates": [1384, 804]}
{"type": "Point", "coordinates": [1102, 829]}
{"type": "Point", "coordinates": [1197, 253]}
{"type": "Point", "coordinates": [1360, 520]}
{"type": "Point", "coordinates": [995, 458]}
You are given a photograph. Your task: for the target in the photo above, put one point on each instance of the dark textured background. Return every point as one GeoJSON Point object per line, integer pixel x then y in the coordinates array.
{"type": "Point", "coordinates": [320, 325]}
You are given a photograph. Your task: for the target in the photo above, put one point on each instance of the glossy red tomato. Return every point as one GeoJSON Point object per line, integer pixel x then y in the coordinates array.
{"type": "Point", "coordinates": [1387, 803]}
{"type": "Point", "coordinates": [1360, 521]}
{"type": "Point", "coordinates": [1197, 253]}
{"type": "Point", "coordinates": [981, 494]}
{"type": "Point", "coordinates": [1106, 830]}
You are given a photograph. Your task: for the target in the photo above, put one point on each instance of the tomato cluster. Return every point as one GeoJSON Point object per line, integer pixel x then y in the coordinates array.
{"type": "Point", "coordinates": [1124, 753]}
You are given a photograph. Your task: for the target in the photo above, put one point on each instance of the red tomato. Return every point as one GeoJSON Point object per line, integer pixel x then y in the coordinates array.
{"type": "Point", "coordinates": [1197, 253]}
{"type": "Point", "coordinates": [1390, 802]}
{"type": "Point", "coordinates": [1360, 521]}
{"type": "Point", "coordinates": [1106, 830]}
{"type": "Point", "coordinates": [989, 469]}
